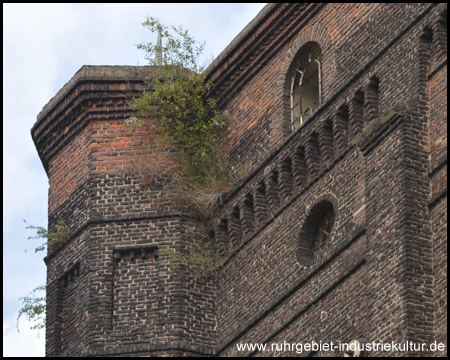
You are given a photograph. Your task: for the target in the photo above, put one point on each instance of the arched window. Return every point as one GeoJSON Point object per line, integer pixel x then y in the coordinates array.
{"type": "Point", "coordinates": [316, 232]}
{"type": "Point", "coordinates": [306, 89]}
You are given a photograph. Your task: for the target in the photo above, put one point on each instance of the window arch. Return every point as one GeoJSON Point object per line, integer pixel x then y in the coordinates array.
{"type": "Point", "coordinates": [305, 87]}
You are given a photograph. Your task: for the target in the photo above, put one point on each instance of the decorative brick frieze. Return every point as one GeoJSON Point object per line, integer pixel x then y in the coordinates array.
{"type": "Point", "coordinates": [371, 100]}
{"type": "Point", "coordinates": [313, 156]}
{"type": "Point", "coordinates": [135, 252]}
{"type": "Point", "coordinates": [235, 229]}
{"type": "Point", "coordinates": [247, 214]}
{"type": "Point", "coordinates": [261, 203]}
{"type": "Point", "coordinates": [299, 168]}
{"type": "Point", "coordinates": [356, 114]}
{"type": "Point", "coordinates": [341, 129]}
{"type": "Point", "coordinates": [222, 234]}
{"type": "Point", "coordinates": [326, 142]}
{"type": "Point", "coordinates": [286, 179]}
{"type": "Point", "coordinates": [273, 191]}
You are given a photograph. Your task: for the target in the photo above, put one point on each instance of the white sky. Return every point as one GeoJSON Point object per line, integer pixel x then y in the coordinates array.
{"type": "Point", "coordinates": [44, 45]}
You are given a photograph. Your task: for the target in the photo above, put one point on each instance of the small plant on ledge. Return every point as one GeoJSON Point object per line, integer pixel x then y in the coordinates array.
{"type": "Point", "coordinates": [33, 305]}
{"type": "Point", "coordinates": [51, 238]}
{"type": "Point", "coordinates": [203, 259]}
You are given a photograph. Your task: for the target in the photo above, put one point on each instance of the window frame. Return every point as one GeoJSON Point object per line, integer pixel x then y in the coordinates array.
{"type": "Point", "coordinates": [307, 60]}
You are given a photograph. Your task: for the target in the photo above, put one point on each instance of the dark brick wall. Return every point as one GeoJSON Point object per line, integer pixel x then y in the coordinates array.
{"type": "Point", "coordinates": [369, 148]}
{"type": "Point", "coordinates": [437, 88]}
{"type": "Point", "coordinates": [373, 158]}
{"type": "Point", "coordinates": [110, 290]}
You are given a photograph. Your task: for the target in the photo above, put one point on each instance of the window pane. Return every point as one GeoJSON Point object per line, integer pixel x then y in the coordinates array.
{"type": "Point", "coordinates": [296, 111]}
{"type": "Point", "coordinates": [305, 89]}
{"type": "Point", "coordinates": [310, 93]}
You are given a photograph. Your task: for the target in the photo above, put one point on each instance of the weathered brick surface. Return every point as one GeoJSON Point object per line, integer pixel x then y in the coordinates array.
{"type": "Point", "coordinates": [373, 157]}
{"type": "Point", "coordinates": [381, 100]}
{"type": "Point", "coordinates": [109, 273]}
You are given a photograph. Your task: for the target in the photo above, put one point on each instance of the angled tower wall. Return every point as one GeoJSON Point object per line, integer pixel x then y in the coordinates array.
{"type": "Point", "coordinates": [108, 290]}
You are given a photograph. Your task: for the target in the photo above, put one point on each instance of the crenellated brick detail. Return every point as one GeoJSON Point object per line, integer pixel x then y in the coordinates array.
{"type": "Point", "coordinates": [326, 142]}
{"type": "Point", "coordinates": [235, 228]}
{"type": "Point", "coordinates": [285, 179]}
{"type": "Point", "coordinates": [356, 114]}
{"type": "Point", "coordinates": [299, 167]}
{"type": "Point", "coordinates": [222, 234]}
{"type": "Point", "coordinates": [273, 192]}
{"type": "Point", "coordinates": [341, 129]}
{"type": "Point", "coordinates": [261, 203]}
{"type": "Point", "coordinates": [247, 215]}
{"type": "Point", "coordinates": [313, 156]}
{"type": "Point", "coordinates": [371, 100]}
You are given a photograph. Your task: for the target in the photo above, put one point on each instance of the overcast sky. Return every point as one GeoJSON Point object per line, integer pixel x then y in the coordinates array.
{"type": "Point", "coordinates": [44, 45]}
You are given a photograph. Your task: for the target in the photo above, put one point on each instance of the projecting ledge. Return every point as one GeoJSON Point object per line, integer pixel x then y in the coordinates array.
{"type": "Point", "coordinates": [377, 127]}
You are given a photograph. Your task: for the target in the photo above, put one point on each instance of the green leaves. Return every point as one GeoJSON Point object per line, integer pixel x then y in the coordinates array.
{"type": "Point", "coordinates": [33, 307]}
{"type": "Point", "coordinates": [179, 48]}
{"type": "Point", "coordinates": [51, 238]}
{"type": "Point", "coordinates": [188, 119]}
{"type": "Point", "coordinates": [203, 259]}
{"type": "Point", "coordinates": [192, 123]}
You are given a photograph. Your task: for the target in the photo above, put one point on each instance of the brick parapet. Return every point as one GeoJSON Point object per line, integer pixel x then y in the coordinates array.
{"type": "Point", "coordinates": [250, 50]}
{"type": "Point", "coordinates": [69, 110]}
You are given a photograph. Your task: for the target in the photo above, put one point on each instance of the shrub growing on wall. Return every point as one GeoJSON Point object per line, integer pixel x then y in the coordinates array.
{"type": "Point", "coordinates": [188, 119]}
{"type": "Point", "coordinates": [195, 127]}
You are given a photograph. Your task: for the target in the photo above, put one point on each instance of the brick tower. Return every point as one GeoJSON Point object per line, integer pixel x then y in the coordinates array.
{"type": "Point", "coordinates": [338, 233]}
{"type": "Point", "coordinates": [108, 292]}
